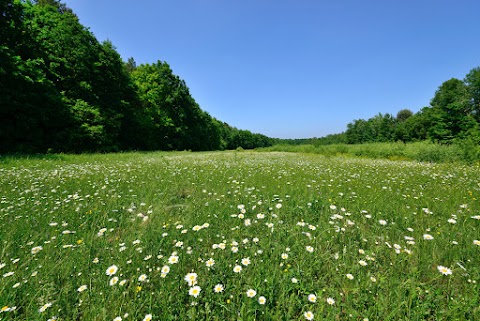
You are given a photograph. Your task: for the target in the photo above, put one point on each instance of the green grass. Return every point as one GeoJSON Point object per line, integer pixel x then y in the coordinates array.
{"type": "Point", "coordinates": [136, 210]}
{"type": "Point", "coordinates": [425, 151]}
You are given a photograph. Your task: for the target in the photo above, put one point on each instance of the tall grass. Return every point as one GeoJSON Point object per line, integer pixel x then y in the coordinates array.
{"type": "Point", "coordinates": [419, 151]}
{"type": "Point", "coordinates": [237, 236]}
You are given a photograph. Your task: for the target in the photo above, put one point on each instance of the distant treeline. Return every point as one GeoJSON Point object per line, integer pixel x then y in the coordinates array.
{"type": "Point", "coordinates": [452, 117]}
{"type": "Point", "coordinates": [62, 90]}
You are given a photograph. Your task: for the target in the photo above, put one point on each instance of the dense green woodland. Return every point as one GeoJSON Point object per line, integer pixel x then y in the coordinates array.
{"type": "Point", "coordinates": [62, 90]}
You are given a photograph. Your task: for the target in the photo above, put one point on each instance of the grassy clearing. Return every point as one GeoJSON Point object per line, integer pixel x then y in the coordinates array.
{"type": "Point", "coordinates": [237, 236]}
{"type": "Point", "coordinates": [466, 152]}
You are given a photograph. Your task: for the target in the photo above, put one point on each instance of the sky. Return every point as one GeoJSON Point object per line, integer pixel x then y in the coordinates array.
{"type": "Point", "coordinates": [296, 68]}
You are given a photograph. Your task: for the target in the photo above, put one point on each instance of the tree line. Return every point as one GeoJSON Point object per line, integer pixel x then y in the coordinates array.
{"type": "Point", "coordinates": [453, 116]}
{"type": "Point", "coordinates": [62, 90]}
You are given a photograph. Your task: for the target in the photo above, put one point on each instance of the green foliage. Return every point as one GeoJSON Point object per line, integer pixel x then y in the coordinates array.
{"type": "Point", "coordinates": [175, 120]}
{"type": "Point", "coordinates": [453, 116]}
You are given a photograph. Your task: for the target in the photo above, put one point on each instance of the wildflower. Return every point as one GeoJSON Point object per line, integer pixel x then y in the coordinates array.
{"type": "Point", "coordinates": [165, 269]}
{"type": "Point", "coordinates": [312, 298]}
{"type": "Point", "coordinates": [278, 206]}
{"type": "Point", "coordinates": [284, 256]}
{"type": "Point", "coordinates": [262, 300]}
{"type": "Point", "coordinates": [382, 222]}
{"type": "Point", "coordinates": [148, 317]}
{"type": "Point", "coordinates": [251, 293]}
{"type": "Point", "coordinates": [237, 269]}
{"type": "Point", "coordinates": [294, 280]}
{"type": "Point", "coordinates": [191, 279]}
{"type": "Point", "coordinates": [111, 270]}
{"type": "Point", "coordinates": [122, 283]}
{"type": "Point", "coordinates": [444, 270]}
{"type": "Point", "coordinates": [8, 274]}
{"type": "Point", "coordinates": [142, 278]}
{"type": "Point", "coordinates": [210, 262]}
{"type": "Point", "coordinates": [330, 301]}
{"type": "Point", "coordinates": [476, 242]}
{"type": "Point", "coordinates": [373, 279]}
{"type": "Point", "coordinates": [113, 281]}
{"type": "Point", "coordinates": [82, 288]}
{"type": "Point", "coordinates": [427, 237]}
{"type": "Point", "coordinates": [36, 249]}
{"type": "Point", "coordinates": [44, 307]}
{"type": "Point", "coordinates": [246, 261]}
{"type": "Point", "coordinates": [362, 263]}
{"type": "Point", "coordinates": [218, 288]}
{"type": "Point", "coordinates": [309, 249]}
{"type": "Point", "coordinates": [309, 315]}
{"type": "Point", "coordinates": [350, 276]}
{"type": "Point", "coordinates": [194, 291]}
{"type": "Point", "coordinates": [117, 319]}
{"type": "Point", "coordinates": [173, 259]}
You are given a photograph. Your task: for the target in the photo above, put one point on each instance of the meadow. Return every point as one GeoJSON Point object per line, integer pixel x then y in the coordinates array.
{"type": "Point", "coordinates": [237, 236]}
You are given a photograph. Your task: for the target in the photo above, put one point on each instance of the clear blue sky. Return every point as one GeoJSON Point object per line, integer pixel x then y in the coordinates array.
{"type": "Point", "coordinates": [296, 68]}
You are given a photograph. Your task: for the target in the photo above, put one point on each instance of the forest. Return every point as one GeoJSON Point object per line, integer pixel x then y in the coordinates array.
{"type": "Point", "coordinates": [61, 90]}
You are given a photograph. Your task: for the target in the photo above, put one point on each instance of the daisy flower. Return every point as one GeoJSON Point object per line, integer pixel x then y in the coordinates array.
{"type": "Point", "coordinates": [444, 270]}
{"type": "Point", "coordinates": [173, 259]}
{"type": "Point", "coordinates": [218, 288]}
{"type": "Point", "coordinates": [194, 291]}
{"type": "Point", "coordinates": [113, 281]}
{"type": "Point", "coordinates": [237, 269]}
{"type": "Point", "coordinates": [191, 279]}
{"type": "Point", "coordinates": [312, 298]}
{"type": "Point", "coordinates": [309, 248]}
{"type": "Point", "coordinates": [210, 262]}
{"type": "Point", "coordinates": [330, 301]}
{"type": "Point", "coordinates": [44, 307]}
{"type": "Point", "coordinates": [148, 317]}
{"type": "Point", "coordinates": [308, 315]}
{"type": "Point", "coordinates": [36, 249]}
{"type": "Point", "coordinates": [111, 270]}
{"type": "Point", "coordinates": [82, 288]}
{"type": "Point", "coordinates": [262, 300]}
{"type": "Point", "coordinates": [427, 237]}
{"type": "Point", "coordinates": [142, 278]}
{"type": "Point", "coordinates": [165, 269]}
{"type": "Point", "coordinates": [251, 293]}
{"type": "Point", "coordinates": [246, 261]}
